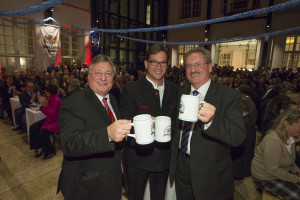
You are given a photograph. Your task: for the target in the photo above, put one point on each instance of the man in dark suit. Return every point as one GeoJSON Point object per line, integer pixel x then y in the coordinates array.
{"type": "Point", "coordinates": [26, 99]}
{"type": "Point", "coordinates": [73, 87]}
{"type": "Point", "coordinates": [8, 90]}
{"type": "Point", "coordinates": [91, 138]}
{"type": "Point", "coordinates": [155, 96]}
{"type": "Point", "coordinates": [201, 162]}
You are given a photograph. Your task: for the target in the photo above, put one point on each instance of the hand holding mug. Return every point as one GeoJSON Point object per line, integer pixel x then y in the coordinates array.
{"type": "Point", "coordinates": [118, 130]}
{"type": "Point", "coordinates": [206, 112]}
{"type": "Point", "coordinates": [143, 129]}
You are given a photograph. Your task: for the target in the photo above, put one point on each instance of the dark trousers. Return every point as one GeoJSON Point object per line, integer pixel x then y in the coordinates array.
{"type": "Point", "coordinates": [137, 179]}
{"type": "Point", "coordinates": [34, 130]}
{"type": "Point", "coordinates": [44, 139]}
{"type": "Point", "coordinates": [7, 108]}
{"type": "Point", "coordinates": [183, 182]}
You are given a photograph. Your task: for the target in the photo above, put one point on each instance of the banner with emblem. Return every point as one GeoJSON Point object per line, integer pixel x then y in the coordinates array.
{"type": "Point", "coordinates": [50, 36]}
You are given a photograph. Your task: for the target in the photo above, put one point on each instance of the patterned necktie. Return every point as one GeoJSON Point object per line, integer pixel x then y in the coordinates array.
{"type": "Point", "coordinates": [186, 130]}
{"type": "Point", "coordinates": [108, 110]}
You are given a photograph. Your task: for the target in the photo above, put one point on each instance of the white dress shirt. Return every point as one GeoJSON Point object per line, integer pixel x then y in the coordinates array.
{"type": "Point", "coordinates": [108, 103]}
{"type": "Point", "coordinates": [160, 88]}
{"type": "Point", "coordinates": [202, 93]}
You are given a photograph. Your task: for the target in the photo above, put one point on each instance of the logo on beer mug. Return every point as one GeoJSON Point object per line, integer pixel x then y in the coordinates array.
{"type": "Point", "coordinates": [181, 107]}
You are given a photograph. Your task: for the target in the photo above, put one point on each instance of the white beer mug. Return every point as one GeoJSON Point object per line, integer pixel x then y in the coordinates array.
{"type": "Point", "coordinates": [162, 129]}
{"type": "Point", "coordinates": [189, 107]}
{"type": "Point", "coordinates": [143, 133]}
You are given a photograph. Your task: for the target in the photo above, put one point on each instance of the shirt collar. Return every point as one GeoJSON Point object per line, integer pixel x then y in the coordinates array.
{"type": "Point", "coordinates": [203, 89]}
{"type": "Point", "coordinates": [101, 97]}
{"type": "Point", "coordinates": [155, 85]}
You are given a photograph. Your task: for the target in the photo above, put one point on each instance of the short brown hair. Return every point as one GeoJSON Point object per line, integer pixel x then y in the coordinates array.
{"type": "Point", "coordinates": [156, 48]}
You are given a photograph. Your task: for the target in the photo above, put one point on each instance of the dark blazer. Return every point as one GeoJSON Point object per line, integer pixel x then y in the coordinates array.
{"type": "Point", "coordinates": [24, 100]}
{"type": "Point", "coordinates": [138, 98]}
{"type": "Point", "coordinates": [91, 168]}
{"type": "Point", "coordinates": [5, 94]}
{"type": "Point", "coordinates": [210, 159]}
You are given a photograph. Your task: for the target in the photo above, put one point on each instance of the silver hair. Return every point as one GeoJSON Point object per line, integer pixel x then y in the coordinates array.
{"type": "Point", "coordinates": [205, 52]}
{"type": "Point", "coordinates": [102, 58]}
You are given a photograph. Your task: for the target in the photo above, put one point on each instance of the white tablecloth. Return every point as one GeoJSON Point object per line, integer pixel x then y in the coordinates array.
{"type": "Point", "coordinates": [33, 116]}
{"type": "Point", "coordinates": [15, 103]}
{"type": "Point", "coordinates": [170, 191]}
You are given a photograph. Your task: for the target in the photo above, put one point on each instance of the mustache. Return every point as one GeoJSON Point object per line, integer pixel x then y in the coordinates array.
{"type": "Point", "coordinates": [194, 73]}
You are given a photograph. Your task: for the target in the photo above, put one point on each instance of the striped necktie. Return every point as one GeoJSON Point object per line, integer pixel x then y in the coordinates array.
{"type": "Point", "coordinates": [108, 110]}
{"type": "Point", "coordinates": [186, 130]}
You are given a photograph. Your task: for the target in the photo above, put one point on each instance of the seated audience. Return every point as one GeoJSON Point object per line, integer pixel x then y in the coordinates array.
{"type": "Point", "coordinates": [273, 166]}
{"type": "Point", "coordinates": [26, 99]}
{"type": "Point", "coordinates": [7, 90]}
{"type": "Point", "coordinates": [41, 131]}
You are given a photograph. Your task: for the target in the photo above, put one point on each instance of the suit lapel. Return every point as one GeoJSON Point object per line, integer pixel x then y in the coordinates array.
{"type": "Point", "coordinates": [211, 92]}
{"type": "Point", "coordinates": [151, 95]}
{"type": "Point", "coordinates": [97, 104]}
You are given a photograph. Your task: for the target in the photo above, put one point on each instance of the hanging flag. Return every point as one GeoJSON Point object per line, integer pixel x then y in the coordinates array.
{"type": "Point", "coordinates": [50, 40]}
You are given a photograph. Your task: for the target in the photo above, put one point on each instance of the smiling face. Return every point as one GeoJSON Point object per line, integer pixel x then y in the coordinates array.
{"type": "Point", "coordinates": [100, 78]}
{"type": "Point", "coordinates": [197, 70]}
{"type": "Point", "coordinates": [156, 73]}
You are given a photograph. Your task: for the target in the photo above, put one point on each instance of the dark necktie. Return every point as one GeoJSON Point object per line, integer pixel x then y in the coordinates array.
{"type": "Point", "coordinates": [108, 110]}
{"type": "Point", "coordinates": [186, 130]}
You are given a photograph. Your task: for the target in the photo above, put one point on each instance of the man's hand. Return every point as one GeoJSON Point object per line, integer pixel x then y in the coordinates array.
{"type": "Point", "coordinates": [33, 96]}
{"type": "Point", "coordinates": [62, 91]}
{"type": "Point", "coordinates": [207, 112]}
{"type": "Point", "coordinates": [118, 130]}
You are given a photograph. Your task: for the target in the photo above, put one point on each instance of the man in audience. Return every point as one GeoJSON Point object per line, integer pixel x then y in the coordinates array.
{"type": "Point", "coordinates": [44, 81]}
{"type": "Point", "coordinates": [201, 164]}
{"type": "Point", "coordinates": [155, 96]}
{"type": "Point", "coordinates": [91, 138]}
{"type": "Point", "coordinates": [7, 90]}
{"type": "Point", "coordinates": [51, 67]}
{"type": "Point", "coordinates": [73, 87]}
{"type": "Point", "coordinates": [26, 99]}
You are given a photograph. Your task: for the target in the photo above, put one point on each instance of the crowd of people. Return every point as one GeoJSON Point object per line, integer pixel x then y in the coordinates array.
{"type": "Point", "coordinates": [92, 107]}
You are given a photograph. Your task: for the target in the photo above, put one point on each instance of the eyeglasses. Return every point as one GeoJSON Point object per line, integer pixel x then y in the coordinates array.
{"type": "Point", "coordinates": [106, 74]}
{"type": "Point", "coordinates": [155, 63]}
{"type": "Point", "coordinates": [196, 65]}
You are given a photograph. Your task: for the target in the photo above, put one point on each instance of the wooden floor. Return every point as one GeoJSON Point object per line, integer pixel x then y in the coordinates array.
{"type": "Point", "coordinates": [24, 177]}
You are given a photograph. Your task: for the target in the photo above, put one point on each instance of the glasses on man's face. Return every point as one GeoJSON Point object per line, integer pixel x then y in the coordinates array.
{"type": "Point", "coordinates": [106, 74]}
{"type": "Point", "coordinates": [155, 63]}
{"type": "Point", "coordinates": [196, 65]}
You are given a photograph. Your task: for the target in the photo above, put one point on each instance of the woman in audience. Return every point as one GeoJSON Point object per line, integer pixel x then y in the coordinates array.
{"type": "Point", "coordinates": [273, 166]}
{"type": "Point", "coordinates": [275, 106]}
{"type": "Point", "coordinates": [41, 131]}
